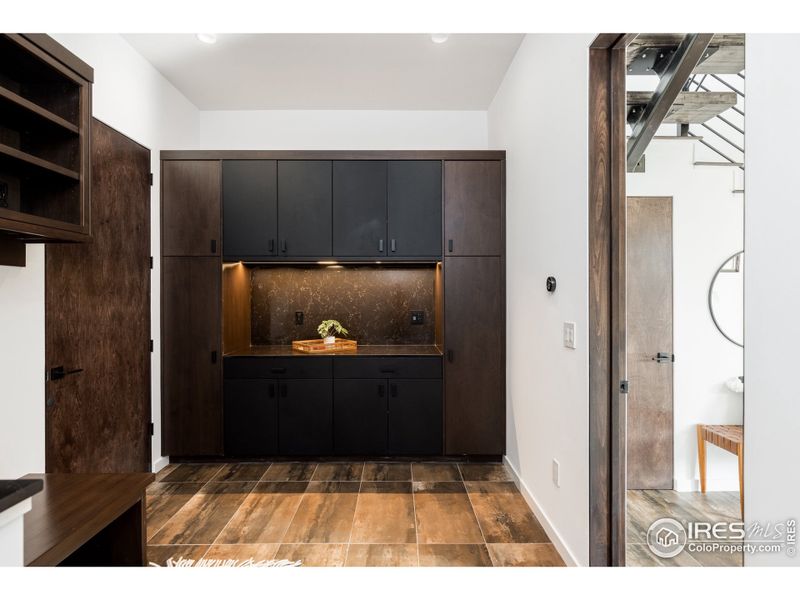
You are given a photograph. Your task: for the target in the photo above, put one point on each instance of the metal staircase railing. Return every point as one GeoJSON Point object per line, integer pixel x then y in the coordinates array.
{"type": "Point", "coordinates": [699, 85]}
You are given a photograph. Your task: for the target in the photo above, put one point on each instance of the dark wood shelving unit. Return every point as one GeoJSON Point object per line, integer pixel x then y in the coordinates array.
{"type": "Point", "coordinates": [45, 116]}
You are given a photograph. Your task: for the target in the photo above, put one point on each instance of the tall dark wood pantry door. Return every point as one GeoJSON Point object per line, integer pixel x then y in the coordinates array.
{"type": "Point", "coordinates": [97, 321]}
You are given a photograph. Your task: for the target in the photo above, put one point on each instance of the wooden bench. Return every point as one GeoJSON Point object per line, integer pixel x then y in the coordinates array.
{"type": "Point", "coordinates": [727, 437]}
{"type": "Point", "coordinates": [88, 520]}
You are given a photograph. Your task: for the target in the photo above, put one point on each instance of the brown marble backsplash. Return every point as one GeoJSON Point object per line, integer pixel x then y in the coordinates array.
{"type": "Point", "coordinates": [373, 303]}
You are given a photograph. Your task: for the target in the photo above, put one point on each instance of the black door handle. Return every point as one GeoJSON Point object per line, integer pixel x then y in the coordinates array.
{"type": "Point", "coordinates": [272, 245]}
{"type": "Point", "coordinates": [387, 370]}
{"type": "Point", "coordinates": [284, 391]}
{"type": "Point", "coordinates": [449, 245]}
{"type": "Point", "coordinates": [393, 390]}
{"type": "Point", "coordinates": [283, 246]}
{"type": "Point", "coordinates": [380, 245]}
{"type": "Point", "coordinates": [664, 357]}
{"type": "Point", "coordinates": [271, 390]}
{"type": "Point", "coordinates": [381, 391]}
{"type": "Point", "coordinates": [213, 246]}
{"type": "Point", "coordinates": [394, 245]}
{"type": "Point", "coordinates": [57, 373]}
{"type": "Point", "coordinates": [450, 355]}
{"type": "Point", "coordinates": [278, 371]}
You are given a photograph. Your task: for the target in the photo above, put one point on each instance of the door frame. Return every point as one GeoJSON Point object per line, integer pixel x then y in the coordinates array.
{"type": "Point", "coordinates": [607, 348]}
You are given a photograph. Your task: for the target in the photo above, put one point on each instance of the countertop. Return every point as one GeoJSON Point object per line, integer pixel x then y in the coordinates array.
{"type": "Point", "coordinates": [14, 491]}
{"type": "Point", "coordinates": [395, 350]}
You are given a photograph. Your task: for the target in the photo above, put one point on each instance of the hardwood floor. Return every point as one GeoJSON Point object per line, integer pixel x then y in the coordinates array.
{"type": "Point", "coordinates": [344, 514]}
{"type": "Point", "coordinates": [646, 506]}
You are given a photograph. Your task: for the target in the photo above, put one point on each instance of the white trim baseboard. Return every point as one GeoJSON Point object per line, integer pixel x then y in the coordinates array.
{"type": "Point", "coordinates": [160, 463]}
{"type": "Point", "coordinates": [722, 484]}
{"type": "Point", "coordinates": [552, 532]}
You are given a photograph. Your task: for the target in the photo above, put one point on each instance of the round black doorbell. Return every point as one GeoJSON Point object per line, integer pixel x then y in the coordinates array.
{"type": "Point", "coordinates": [551, 284]}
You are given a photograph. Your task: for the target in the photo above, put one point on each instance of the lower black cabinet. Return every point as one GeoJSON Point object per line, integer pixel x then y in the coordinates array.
{"type": "Point", "coordinates": [415, 416]}
{"type": "Point", "coordinates": [251, 417]}
{"type": "Point", "coordinates": [305, 416]}
{"type": "Point", "coordinates": [359, 416]}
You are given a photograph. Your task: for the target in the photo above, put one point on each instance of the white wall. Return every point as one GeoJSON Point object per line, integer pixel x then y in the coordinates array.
{"type": "Point", "coordinates": [772, 289]}
{"type": "Point", "coordinates": [343, 130]}
{"type": "Point", "coordinates": [708, 227]}
{"type": "Point", "coordinates": [546, 138]}
{"type": "Point", "coordinates": [131, 96]}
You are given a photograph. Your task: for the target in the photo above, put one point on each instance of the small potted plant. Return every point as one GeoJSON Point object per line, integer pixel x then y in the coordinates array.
{"type": "Point", "coordinates": [328, 329]}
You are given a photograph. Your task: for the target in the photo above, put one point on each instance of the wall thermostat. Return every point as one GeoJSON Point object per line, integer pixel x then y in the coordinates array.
{"type": "Point", "coordinates": [551, 284]}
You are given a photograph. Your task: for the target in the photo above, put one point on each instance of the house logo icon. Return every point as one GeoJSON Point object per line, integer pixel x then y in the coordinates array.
{"type": "Point", "coordinates": [666, 538]}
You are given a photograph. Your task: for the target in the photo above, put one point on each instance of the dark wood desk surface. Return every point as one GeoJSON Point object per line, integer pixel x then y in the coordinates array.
{"type": "Point", "coordinates": [74, 507]}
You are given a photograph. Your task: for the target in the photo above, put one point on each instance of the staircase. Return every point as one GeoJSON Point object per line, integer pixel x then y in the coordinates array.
{"type": "Point", "coordinates": [699, 90]}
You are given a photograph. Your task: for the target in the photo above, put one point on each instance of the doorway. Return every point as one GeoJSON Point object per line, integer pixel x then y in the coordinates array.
{"type": "Point", "coordinates": [97, 322]}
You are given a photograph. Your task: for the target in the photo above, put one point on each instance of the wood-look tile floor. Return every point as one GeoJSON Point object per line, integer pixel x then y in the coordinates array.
{"type": "Point", "coordinates": [645, 506]}
{"type": "Point", "coordinates": [344, 514]}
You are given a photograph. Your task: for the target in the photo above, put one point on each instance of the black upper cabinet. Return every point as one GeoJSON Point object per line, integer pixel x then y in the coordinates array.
{"type": "Point", "coordinates": [415, 208]}
{"type": "Point", "coordinates": [304, 208]}
{"type": "Point", "coordinates": [359, 208]}
{"type": "Point", "coordinates": [249, 208]}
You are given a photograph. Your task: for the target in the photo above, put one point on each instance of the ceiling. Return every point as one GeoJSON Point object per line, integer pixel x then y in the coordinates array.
{"type": "Point", "coordinates": [332, 71]}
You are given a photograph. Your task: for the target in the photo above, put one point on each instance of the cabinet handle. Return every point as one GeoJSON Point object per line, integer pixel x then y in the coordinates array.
{"type": "Point", "coordinates": [213, 246]}
{"type": "Point", "coordinates": [393, 390]}
{"type": "Point", "coordinates": [284, 391]}
{"type": "Point", "coordinates": [278, 371]}
{"type": "Point", "coordinates": [271, 390]}
{"type": "Point", "coordinates": [380, 245]}
{"type": "Point", "coordinates": [394, 245]}
{"type": "Point", "coordinates": [213, 357]}
{"type": "Point", "coordinates": [272, 245]}
{"type": "Point", "coordinates": [450, 355]}
{"type": "Point", "coordinates": [449, 245]}
{"type": "Point", "coordinates": [381, 391]}
{"type": "Point", "coordinates": [283, 246]}
{"type": "Point", "coordinates": [387, 370]}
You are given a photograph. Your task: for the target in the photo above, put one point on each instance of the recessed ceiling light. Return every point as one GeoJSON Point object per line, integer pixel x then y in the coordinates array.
{"type": "Point", "coordinates": [207, 38]}
{"type": "Point", "coordinates": [439, 38]}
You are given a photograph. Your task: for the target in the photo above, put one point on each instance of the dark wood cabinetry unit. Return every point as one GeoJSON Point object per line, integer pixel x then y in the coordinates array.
{"type": "Point", "coordinates": [474, 325]}
{"type": "Point", "coordinates": [251, 417]}
{"type": "Point", "coordinates": [250, 208]}
{"type": "Point", "coordinates": [304, 207]}
{"type": "Point", "coordinates": [473, 213]}
{"type": "Point", "coordinates": [359, 208]}
{"type": "Point", "coordinates": [352, 207]}
{"type": "Point", "coordinates": [415, 207]}
{"type": "Point", "coordinates": [45, 121]}
{"type": "Point", "coordinates": [190, 208]}
{"type": "Point", "coordinates": [305, 417]}
{"type": "Point", "coordinates": [191, 374]}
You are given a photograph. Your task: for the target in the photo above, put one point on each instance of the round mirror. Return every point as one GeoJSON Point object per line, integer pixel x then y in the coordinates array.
{"type": "Point", "coordinates": [726, 299]}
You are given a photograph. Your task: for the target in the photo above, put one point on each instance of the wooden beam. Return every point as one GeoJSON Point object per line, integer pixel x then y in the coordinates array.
{"type": "Point", "coordinates": [689, 107]}
{"type": "Point", "coordinates": [685, 59]}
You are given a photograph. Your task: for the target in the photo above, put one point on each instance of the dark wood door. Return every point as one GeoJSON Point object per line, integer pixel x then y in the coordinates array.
{"type": "Point", "coordinates": [650, 430]}
{"type": "Point", "coordinates": [97, 321]}
{"type": "Point", "coordinates": [415, 207]}
{"type": "Point", "coordinates": [251, 417]}
{"type": "Point", "coordinates": [359, 208]}
{"type": "Point", "coordinates": [190, 208]}
{"type": "Point", "coordinates": [191, 393]}
{"type": "Point", "coordinates": [474, 367]}
{"type": "Point", "coordinates": [249, 208]}
{"type": "Point", "coordinates": [415, 416]}
{"type": "Point", "coordinates": [473, 211]}
{"type": "Point", "coordinates": [359, 416]}
{"type": "Point", "coordinates": [305, 416]}
{"type": "Point", "coordinates": [304, 208]}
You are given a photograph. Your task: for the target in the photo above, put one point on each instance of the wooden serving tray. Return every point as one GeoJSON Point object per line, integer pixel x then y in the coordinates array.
{"type": "Point", "coordinates": [319, 346]}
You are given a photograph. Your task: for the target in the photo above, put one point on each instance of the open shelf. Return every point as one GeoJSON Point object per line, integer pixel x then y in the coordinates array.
{"type": "Point", "coordinates": [30, 115]}
{"type": "Point", "coordinates": [29, 160]}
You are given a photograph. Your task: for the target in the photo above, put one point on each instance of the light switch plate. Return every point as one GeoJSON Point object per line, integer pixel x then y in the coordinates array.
{"type": "Point", "coordinates": [569, 334]}
{"type": "Point", "coordinates": [556, 473]}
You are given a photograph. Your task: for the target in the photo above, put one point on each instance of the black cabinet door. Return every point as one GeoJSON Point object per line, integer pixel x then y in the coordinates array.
{"type": "Point", "coordinates": [359, 416]}
{"type": "Point", "coordinates": [473, 207]}
{"type": "Point", "coordinates": [304, 208]}
{"type": "Point", "coordinates": [359, 208]}
{"type": "Point", "coordinates": [251, 417]}
{"type": "Point", "coordinates": [191, 374]}
{"type": "Point", "coordinates": [415, 208]}
{"type": "Point", "coordinates": [415, 416]}
{"type": "Point", "coordinates": [474, 369]}
{"type": "Point", "coordinates": [249, 208]}
{"type": "Point", "coordinates": [305, 416]}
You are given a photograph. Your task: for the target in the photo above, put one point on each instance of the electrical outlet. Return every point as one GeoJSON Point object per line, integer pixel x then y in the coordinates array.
{"type": "Point", "coordinates": [298, 317]}
{"type": "Point", "coordinates": [569, 334]}
{"type": "Point", "coordinates": [556, 474]}
{"type": "Point", "coordinates": [417, 317]}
